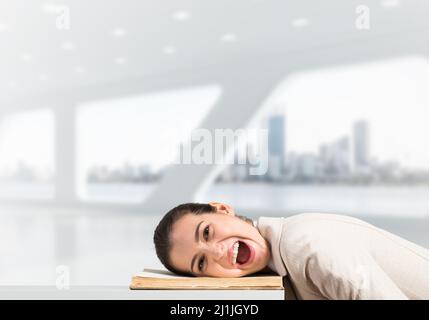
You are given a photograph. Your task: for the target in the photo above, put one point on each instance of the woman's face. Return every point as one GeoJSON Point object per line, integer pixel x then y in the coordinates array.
{"type": "Point", "coordinates": [217, 245]}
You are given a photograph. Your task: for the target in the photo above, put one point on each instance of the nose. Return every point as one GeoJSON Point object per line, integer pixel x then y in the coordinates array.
{"type": "Point", "coordinates": [217, 250]}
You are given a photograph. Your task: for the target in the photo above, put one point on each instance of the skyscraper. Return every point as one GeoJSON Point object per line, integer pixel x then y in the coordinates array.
{"type": "Point", "coordinates": [276, 136]}
{"type": "Point", "coordinates": [361, 143]}
{"type": "Point", "coordinates": [342, 157]}
{"type": "Point", "coordinates": [276, 145]}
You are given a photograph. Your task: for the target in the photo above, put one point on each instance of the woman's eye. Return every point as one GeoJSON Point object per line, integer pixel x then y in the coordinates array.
{"type": "Point", "coordinates": [201, 264]}
{"type": "Point", "coordinates": [206, 233]}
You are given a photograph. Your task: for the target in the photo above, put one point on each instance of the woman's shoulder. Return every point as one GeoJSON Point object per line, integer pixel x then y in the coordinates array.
{"type": "Point", "coordinates": [311, 231]}
{"type": "Point", "coordinates": [310, 218]}
{"type": "Point", "coordinates": [320, 220]}
{"type": "Point", "coordinates": [290, 230]}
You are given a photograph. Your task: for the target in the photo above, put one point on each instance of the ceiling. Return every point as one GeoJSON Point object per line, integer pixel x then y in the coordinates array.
{"type": "Point", "coordinates": [112, 41]}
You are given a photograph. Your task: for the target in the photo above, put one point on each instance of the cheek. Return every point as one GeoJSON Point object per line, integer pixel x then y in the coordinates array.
{"type": "Point", "coordinates": [223, 231]}
{"type": "Point", "coordinates": [234, 229]}
{"type": "Point", "coordinates": [215, 269]}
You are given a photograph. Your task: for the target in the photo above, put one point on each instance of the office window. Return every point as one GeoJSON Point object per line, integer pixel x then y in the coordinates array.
{"type": "Point", "coordinates": [347, 139]}
{"type": "Point", "coordinates": [124, 145]}
{"type": "Point", "coordinates": [27, 155]}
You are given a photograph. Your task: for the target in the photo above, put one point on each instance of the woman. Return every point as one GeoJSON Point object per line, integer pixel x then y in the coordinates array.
{"type": "Point", "coordinates": [325, 256]}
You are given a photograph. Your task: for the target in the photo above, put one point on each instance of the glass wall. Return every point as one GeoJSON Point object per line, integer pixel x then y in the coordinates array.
{"type": "Point", "coordinates": [27, 155]}
{"type": "Point", "coordinates": [348, 140]}
{"type": "Point", "coordinates": [125, 145]}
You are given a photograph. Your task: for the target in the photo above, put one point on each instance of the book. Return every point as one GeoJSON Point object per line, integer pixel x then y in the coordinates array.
{"type": "Point", "coordinates": [163, 279]}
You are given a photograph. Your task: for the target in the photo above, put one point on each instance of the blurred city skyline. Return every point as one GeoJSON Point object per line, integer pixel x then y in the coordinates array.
{"type": "Point", "coordinates": [345, 159]}
{"type": "Point", "coordinates": [398, 122]}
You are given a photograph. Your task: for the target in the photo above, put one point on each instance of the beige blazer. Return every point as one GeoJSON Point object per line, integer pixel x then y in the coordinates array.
{"type": "Point", "coordinates": [331, 256]}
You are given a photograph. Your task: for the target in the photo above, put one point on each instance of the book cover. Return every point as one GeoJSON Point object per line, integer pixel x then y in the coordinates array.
{"type": "Point", "coordinates": [163, 279]}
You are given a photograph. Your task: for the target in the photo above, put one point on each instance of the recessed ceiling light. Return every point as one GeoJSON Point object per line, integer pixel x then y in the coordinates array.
{"type": "Point", "coordinates": [119, 32]}
{"type": "Point", "coordinates": [26, 57]}
{"type": "Point", "coordinates": [79, 69]}
{"type": "Point", "coordinates": [68, 45]}
{"type": "Point", "coordinates": [390, 3]}
{"type": "Point", "coordinates": [120, 60]}
{"type": "Point", "coordinates": [300, 22]}
{"type": "Point", "coordinates": [169, 50]}
{"type": "Point", "coordinates": [229, 37]}
{"type": "Point", "coordinates": [181, 15]}
{"type": "Point", "coordinates": [43, 77]}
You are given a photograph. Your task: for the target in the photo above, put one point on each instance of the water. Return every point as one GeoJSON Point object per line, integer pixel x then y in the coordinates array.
{"type": "Point", "coordinates": [26, 190]}
{"type": "Point", "coordinates": [395, 201]}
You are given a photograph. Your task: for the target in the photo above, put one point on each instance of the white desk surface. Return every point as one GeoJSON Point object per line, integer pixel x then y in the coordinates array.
{"type": "Point", "coordinates": [124, 293]}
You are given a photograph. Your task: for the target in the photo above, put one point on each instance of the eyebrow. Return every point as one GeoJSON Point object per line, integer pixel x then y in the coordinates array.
{"type": "Point", "coordinates": [197, 238]}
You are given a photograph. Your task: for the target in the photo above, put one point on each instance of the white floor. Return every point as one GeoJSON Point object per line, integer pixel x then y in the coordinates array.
{"type": "Point", "coordinates": [37, 245]}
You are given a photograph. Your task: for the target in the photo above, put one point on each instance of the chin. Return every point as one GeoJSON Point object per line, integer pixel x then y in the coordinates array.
{"type": "Point", "coordinates": [248, 272]}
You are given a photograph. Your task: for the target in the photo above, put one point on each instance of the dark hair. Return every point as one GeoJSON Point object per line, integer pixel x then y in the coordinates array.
{"type": "Point", "coordinates": [161, 236]}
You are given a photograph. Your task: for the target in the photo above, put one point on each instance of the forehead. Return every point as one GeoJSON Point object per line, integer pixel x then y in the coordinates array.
{"type": "Point", "coordinates": [184, 229]}
{"type": "Point", "coordinates": [182, 239]}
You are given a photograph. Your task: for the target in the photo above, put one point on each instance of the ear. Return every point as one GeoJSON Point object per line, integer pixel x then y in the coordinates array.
{"type": "Point", "coordinates": [223, 208]}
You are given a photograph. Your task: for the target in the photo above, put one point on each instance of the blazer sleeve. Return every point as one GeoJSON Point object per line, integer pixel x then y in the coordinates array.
{"type": "Point", "coordinates": [350, 275]}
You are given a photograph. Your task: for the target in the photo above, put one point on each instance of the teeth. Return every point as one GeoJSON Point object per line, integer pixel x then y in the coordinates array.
{"type": "Point", "coordinates": [235, 252]}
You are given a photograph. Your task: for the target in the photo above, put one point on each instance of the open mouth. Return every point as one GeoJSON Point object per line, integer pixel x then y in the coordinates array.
{"type": "Point", "coordinates": [241, 253]}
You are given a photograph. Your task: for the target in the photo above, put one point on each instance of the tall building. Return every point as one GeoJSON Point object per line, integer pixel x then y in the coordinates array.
{"type": "Point", "coordinates": [361, 143]}
{"type": "Point", "coordinates": [342, 157]}
{"type": "Point", "coordinates": [277, 136]}
{"type": "Point", "coordinates": [276, 145]}
{"type": "Point", "coordinates": [335, 157]}
{"type": "Point", "coordinates": [310, 166]}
